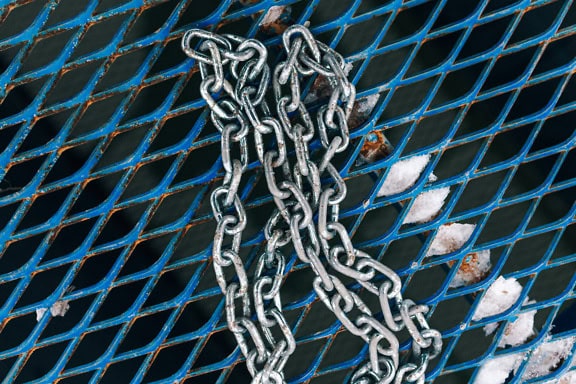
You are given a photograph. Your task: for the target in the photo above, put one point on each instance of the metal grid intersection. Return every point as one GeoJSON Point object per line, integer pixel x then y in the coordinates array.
{"type": "Point", "coordinates": [106, 162]}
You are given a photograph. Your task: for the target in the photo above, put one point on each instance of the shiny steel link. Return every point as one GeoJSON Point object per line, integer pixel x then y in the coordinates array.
{"type": "Point", "coordinates": [233, 115]}
{"type": "Point", "coordinates": [270, 126]}
{"type": "Point", "coordinates": [307, 212]}
{"type": "Point", "coordinates": [205, 36]}
{"type": "Point", "coordinates": [365, 269]}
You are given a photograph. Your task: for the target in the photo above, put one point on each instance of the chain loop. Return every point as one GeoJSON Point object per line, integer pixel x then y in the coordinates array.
{"type": "Point", "coordinates": [204, 36]}
{"type": "Point", "coordinates": [261, 330]}
{"type": "Point", "coordinates": [268, 126]}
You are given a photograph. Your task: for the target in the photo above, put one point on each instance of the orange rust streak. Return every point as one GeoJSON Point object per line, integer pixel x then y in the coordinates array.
{"type": "Point", "coordinates": [375, 150]}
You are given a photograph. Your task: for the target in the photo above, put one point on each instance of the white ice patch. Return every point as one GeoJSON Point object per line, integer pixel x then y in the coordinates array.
{"type": "Point", "coordinates": [427, 205]}
{"type": "Point", "coordinates": [544, 359]}
{"type": "Point", "coordinates": [548, 357]}
{"type": "Point", "coordinates": [502, 294]}
{"type": "Point", "coordinates": [519, 330]}
{"type": "Point", "coordinates": [347, 68]}
{"type": "Point", "coordinates": [568, 378]}
{"type": "Point", "coordinates": [496, 371]}
{"type": "Point", "coordinates": [450, 238]}
{"type": "Point", "coordinates": [473, 269]}
{"type": "Point", "coordinates": [40, 312]}
{"type": "Point", "coordinates": [59, 308]}
{"type": "Point", "coordinates": [403, 174]}
{"type": "Point", "coordinates": [272, 15]}
{"type": "Point", "coordinates": [367, 104]}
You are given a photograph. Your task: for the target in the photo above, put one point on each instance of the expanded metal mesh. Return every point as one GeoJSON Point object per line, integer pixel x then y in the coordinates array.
{"type": "Point", "coordinates": [107, 160]}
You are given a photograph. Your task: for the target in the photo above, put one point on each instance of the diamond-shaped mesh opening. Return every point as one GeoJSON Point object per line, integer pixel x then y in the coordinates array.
{"type": "Point", "coordinates": [107, 162]}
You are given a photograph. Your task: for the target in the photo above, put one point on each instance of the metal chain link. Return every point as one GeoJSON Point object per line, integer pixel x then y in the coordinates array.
{"type": "Point", "coordinates": [232, 115]}
{"type": "Point", "coordinates": [299, 195]}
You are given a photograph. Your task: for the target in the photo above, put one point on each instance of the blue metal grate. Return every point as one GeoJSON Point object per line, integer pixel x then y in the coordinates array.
{"type": "Point", "coordinates": [107, 159]}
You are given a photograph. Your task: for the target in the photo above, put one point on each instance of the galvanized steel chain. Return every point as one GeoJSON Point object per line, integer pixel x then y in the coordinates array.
{"type": "Point", "coordinates": [233, 114]}
{"type": "Point", "coordinates": [299, 196]}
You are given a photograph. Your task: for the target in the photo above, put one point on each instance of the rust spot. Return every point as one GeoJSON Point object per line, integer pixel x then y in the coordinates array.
{"type": "Point", "coordinates": [375, 147]}
{"type": "Point", "coordinates": [469, 268]}
{"type": "Point", "coordinates": [277, 27]}
{"type": "Point", "coordinates": [279, 24]}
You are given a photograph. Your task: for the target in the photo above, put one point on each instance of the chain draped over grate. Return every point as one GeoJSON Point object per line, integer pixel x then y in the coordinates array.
{"type": "Point", "coordinates": [300, 196]}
